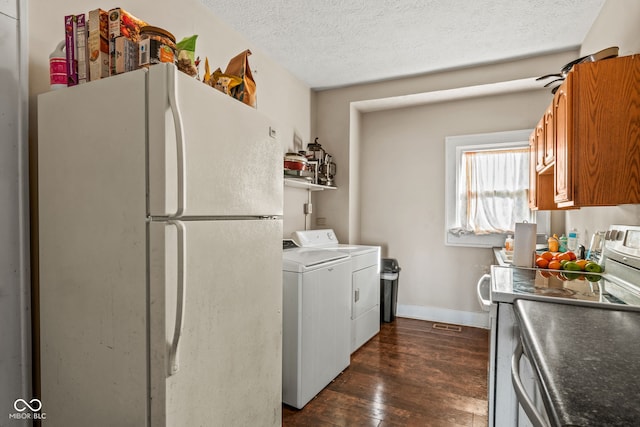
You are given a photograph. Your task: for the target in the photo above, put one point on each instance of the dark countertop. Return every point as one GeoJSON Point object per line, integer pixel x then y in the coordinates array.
{"type": "Point", "coordinates": [587, 361]}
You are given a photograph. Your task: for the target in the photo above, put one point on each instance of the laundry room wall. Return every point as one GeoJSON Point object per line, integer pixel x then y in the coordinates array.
{"type": "Point", "coordinates": [402, 196]}
{"type": "Point", "coordinates": [280, 96]}
{"type": "Point", "coordinates": [391, 185]}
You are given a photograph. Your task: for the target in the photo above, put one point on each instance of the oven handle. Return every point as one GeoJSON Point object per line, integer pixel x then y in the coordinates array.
{"type": "Point", "coordinates": [484, 303]}
{"type": "Point", "coordinates": [534, 416]}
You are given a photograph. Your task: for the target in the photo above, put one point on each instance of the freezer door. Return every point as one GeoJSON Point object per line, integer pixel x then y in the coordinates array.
{"type": "Point", "coordinates": [228, 365]}
{"type": "Point", "coordinates": [209, 154]}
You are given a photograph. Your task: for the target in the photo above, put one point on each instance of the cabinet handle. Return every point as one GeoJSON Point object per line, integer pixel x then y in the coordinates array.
{"type": "Point", "coordinates": [524, 400]}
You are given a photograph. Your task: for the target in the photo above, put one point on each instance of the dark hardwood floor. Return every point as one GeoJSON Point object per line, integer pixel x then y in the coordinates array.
{"type": "Point", "coordinates": [410, 374]}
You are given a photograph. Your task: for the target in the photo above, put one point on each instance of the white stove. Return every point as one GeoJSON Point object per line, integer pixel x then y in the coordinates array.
{"type": "Point", "coordinates": [617, 288]}
{"type": "Point", "coordinates": [365, 280]}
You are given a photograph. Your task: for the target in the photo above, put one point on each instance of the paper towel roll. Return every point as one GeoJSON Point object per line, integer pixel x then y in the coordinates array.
{"type": "Point", "coordinates": [524, 244]}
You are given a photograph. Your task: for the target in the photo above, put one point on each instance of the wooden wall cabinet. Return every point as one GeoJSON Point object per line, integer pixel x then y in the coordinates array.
{"type": "Point", "coordinates": [540, 184]}
{"type": "Point", "coordinates": [563, 136]}
{"type": "Point", "coordinates": [543, 134]}
{"type": "Point", "coordinates": [595, 134]}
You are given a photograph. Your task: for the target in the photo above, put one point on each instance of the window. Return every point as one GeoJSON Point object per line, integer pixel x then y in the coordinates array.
{"type": "Point", "coordinates": [487, 188]}
{"type": "Point", "coordinates": [493, 190]}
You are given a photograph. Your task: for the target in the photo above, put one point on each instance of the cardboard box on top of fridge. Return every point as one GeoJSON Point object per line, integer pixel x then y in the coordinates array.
{"type": "Point", "coordinates": [122, 24]}
{"type": "Point", "coordinates": [126, 54]}
{"type": "Point", "coordinates": [98, 44]}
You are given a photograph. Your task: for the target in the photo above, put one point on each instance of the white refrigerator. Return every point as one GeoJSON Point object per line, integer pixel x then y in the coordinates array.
{"type": "Point", "coordinates": [160, 255]}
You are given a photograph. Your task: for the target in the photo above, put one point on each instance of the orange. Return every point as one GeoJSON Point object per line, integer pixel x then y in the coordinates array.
{"type": "Point", "coordinates": [547, 255]}
{"type": "Point", "coordinates": [564, 255]}
{"type": "Point", "coordinates": [582, 263]}
{"type": "Point", "coordinates": [555, 265]}
{"type": "Point", "coordinates": [572, 255]}
{"type": "Point", "coordinates": [541, 262]}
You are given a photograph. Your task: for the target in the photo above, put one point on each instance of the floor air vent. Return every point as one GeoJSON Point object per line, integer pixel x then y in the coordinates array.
{"type": "Point", "coordinates": [443, 327]}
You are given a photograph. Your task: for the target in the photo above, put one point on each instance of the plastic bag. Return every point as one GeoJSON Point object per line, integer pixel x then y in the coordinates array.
{"type": "Point", "coordinates": [187, 55]}
{"type": "Point", "coordinates": [239, 67]}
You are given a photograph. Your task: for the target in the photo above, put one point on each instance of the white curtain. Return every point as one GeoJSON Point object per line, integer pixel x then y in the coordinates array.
{"type": "Point", "coordinates": [493, 190]}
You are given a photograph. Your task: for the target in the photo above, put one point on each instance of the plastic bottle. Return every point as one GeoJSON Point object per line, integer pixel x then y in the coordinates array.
{"type": "Point", "coordinates": [563, 243]}
{"type": "Point", "coordinates": [58, 67]}
{"type": "Point", "coordinates": [572, 241]}
{"type": "Point", "coordinates": [553, 243]}
{"type": "Point", "coordinates": [508, 244]}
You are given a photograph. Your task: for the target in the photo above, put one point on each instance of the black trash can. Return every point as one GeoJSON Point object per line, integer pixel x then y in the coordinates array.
{"type": "Point", "coordinates": [389, 275]}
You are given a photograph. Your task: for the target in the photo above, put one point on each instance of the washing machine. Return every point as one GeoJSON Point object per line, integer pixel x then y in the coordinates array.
{"type": "Point", "coordinates": [364, 283]}
{"type": "Point", "coordinates": [316, 340]}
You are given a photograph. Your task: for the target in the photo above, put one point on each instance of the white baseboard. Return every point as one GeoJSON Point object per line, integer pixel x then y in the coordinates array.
{"type": "Point", "coordinates": [444, 315]}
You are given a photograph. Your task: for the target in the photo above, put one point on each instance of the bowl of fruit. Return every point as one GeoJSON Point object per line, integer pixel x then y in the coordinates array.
{"type": "Point", "coordinates": [567, 261]}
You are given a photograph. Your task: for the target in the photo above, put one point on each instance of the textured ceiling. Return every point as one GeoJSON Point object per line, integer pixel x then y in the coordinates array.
{"type": "Point", "coordinates": [331, 43]}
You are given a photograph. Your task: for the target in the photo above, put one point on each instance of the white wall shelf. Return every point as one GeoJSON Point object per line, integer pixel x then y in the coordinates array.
{"type": "Point", "coordinates": [298, 183]}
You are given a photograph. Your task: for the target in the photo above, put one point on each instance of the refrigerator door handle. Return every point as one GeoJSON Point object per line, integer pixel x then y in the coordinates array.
{"type": "Point", "coordinates": [180, 143]}
{"type": "Point", "coordinates": [174, 359]}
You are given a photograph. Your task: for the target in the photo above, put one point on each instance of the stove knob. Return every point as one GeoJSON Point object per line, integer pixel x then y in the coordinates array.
{"type": "Point", "coordinates": [620, 235]}
{"type": "Point", "coordinates": [608, 235]}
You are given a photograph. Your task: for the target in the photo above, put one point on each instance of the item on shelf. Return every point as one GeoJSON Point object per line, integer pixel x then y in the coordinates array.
{"type": "Point", "coordinates": [295, 161]}
{"type": "Point", "coordinates": [58, 67]}
{"type": "Point", "coordinates": [315, 151]}
{"type": "Point", "coordinates": [326, 166]}
{"type": "Point", "coordinates": [223, 82]}
{"type": "Point", "coordinates": [82, 59]}
{"type": "Point", "coordinates": [122, 24]}
{"type": "Point", "coordinates": [329, 171]}
{"type": "Point", "coordinates": [186, 51]}
{"type": "Point", "coordinates": [156, 46]}
{"type": "Point", "coordinates": [246, 90]}
{"type": "Point", "coordinates": [524, 244]}
{"type": "Point", "coordinates": [508, 244]}
{"type": "Point", "coordinates": [70, 49]}
{"type": "Point", "coordinates": [98, 44]}
{"type": "Point", "coordinates": [303, 174]}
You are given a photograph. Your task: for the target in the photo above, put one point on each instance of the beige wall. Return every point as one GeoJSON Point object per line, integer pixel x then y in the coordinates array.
{"type": "Point", "coordinates": [391, 176]}
{"type": "Point", "coordinates": [282, 97]}
{"type": "Point", "coordinates": [391, 173]}
{"type": "Point", "coordinates": [617, 25]}
{"type": "Point", "coordinates": [402, 191]}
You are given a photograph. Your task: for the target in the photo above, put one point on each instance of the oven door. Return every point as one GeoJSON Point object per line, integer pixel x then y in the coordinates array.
{"type": "Point", "coordinates": [525, 383]}
{"type": "Point", "coordinates": [483, 291]}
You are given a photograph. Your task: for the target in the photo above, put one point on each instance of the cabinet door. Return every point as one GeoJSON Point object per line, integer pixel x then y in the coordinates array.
{"type": "Point", "coordinates": [539, 145]}
{"type": "Point", "coordinates": [563, 192]}
{"type": "Point", "coordinates": [549, 138]}
{"type": "Point", "coordinates": [533, 175]}
{"type": "Point", "coordinates": [540, 184]}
